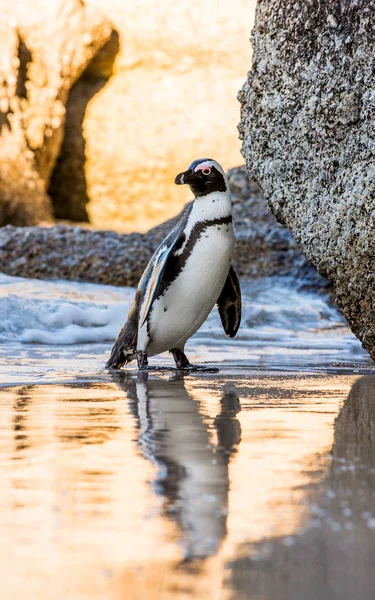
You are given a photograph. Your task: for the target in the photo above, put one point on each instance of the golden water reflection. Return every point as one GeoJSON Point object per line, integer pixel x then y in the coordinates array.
{"type": "Point", "coordinates": [170, 487]}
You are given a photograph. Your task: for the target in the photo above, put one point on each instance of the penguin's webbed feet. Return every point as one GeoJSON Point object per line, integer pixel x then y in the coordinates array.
{"type": "Point", "coordinates": [200, 368]}
{"type": "Point", "coordinates": [183, 364]}
{"type": "Point", "coordinates": [144, 366]}
{"type": "Point", "coordinates": [180, 358]}
{"type": "Point", "coordinates": [142, 360]}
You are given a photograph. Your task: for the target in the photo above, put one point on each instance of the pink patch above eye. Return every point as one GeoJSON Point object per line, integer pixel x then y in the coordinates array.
{"type": "Point", "coordinates": [204, 167]}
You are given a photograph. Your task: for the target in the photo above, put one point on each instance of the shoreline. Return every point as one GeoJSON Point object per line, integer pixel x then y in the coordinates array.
{"type": "Point", "coordinates": [227, 371]}
{"type": "Point", "coordinates": [216, 482]}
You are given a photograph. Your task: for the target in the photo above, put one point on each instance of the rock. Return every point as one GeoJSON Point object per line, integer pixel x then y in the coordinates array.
{"type": "Point", "coordinates": [308, 131]}
{"type": "Point", "coordinates": [68, 185]}
{"type": "Point", "coordinates": [171, 98]}
{"type": "Point", "coordinates": [44, 49]}
{"type": "Point", "coordinates": [263, 246]}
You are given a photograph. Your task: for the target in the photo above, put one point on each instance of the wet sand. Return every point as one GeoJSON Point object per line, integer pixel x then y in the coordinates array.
{"type": "Point", "coordinates": [229, 485]}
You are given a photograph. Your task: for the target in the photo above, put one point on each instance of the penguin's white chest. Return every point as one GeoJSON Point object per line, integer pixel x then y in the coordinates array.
{"type": "Point", "coordinates": [186, 304]}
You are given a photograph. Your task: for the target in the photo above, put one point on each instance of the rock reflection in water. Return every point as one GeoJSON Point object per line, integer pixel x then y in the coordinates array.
{"type": "Point", "coordinates": [107, 486]}
{"type": "Point", "coordinates": [173, 433]}
{"type": "Point", "coordinates": [332, 556]}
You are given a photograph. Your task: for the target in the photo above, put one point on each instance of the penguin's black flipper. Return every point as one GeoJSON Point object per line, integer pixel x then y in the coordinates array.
{"type": "Point", "coordinates": [229, 304]}
{"type": "Point", "coordinates": [125, 347]}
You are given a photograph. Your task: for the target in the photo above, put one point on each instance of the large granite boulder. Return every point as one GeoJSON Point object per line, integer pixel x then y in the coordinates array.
{"type": "Point", "coordinates": [44, 48]}
{"type": "Point", "coordinates": [308, 131]}
{"type": "Point", "coordinates": [171, 98]}
{"type": "Point", "coordinates": [263, 247]}
{"type": "Point", "coordinates": [151, 101]}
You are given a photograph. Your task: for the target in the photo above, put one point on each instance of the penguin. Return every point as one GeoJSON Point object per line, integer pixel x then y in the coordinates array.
{"type": "Point", "coordinates": [187, 275]}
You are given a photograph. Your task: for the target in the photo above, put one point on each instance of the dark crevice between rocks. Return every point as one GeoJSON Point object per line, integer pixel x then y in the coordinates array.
{"type": "Point", "coordinates": [25, 58]}
{"type": "Point", "coordinates": [4, 121]}
{"type": "Point", "coordinates": [68, 185]}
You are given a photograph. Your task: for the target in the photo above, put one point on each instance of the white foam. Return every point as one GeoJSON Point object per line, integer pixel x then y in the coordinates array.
{"type": "Point", "coordinates": [60, 313]}
{"type": "Point", "coordinates": [278, 320]}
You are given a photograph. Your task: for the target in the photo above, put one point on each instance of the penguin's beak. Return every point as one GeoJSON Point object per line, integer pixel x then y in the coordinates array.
{"type": "Point", "coordinates": [185, 177]}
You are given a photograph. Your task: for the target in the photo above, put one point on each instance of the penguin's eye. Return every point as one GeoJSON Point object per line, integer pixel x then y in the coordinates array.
{"type": "Point", "coordinates": [206, 171]}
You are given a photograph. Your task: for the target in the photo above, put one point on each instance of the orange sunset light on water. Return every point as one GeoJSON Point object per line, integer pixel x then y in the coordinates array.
{"type": "Point", "coordinates": [79, 513]}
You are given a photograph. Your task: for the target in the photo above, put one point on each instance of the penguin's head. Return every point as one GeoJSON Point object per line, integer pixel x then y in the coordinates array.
{"type": "Point", "coordinates": [204, 176]}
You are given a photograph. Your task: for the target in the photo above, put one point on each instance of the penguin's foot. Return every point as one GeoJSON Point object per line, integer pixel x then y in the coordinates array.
{"type": "Point", "coordinates": [180, 359]}
{"type": "Point", "coordinates": [157, 368]}
{"type": "Point", "coordinates": [200, 368]}
{"type": "Point", "coordinates": [144, 366]}
{"type": "Point", "coordinates": [142, 360]}
{"type": "Point", "coordinates": [182, 363]}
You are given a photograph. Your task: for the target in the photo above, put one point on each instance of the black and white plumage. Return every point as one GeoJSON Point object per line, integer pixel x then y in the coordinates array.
{"type": "Point", "coordinates": [188, 273]}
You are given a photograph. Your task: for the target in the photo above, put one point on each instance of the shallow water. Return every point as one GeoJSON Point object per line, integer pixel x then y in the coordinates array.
{"type": "Point", "coordinates": [257, 482]}
{"type": "Point", "coordinates": [171, 487]}
{"type": "Point", "coordinates": [54, 331]}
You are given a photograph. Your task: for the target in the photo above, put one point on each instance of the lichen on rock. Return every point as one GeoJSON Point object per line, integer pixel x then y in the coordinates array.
{"type": "Point", "coordinates": [308, 131]}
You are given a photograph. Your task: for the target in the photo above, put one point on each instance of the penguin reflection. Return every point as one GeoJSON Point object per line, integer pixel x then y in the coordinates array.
{"type": "Point", "coordinates": [192, 472]}
{"type": "Point", "coordinates": [21, 409]}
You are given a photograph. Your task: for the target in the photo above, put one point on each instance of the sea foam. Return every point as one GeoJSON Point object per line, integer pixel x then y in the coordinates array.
{"type": "Point", "coordinates": [60, 313]}
{"type": "Point", "coordinates": [65, 313]}
{"type": "Point", "coordinates": [58, 330]}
